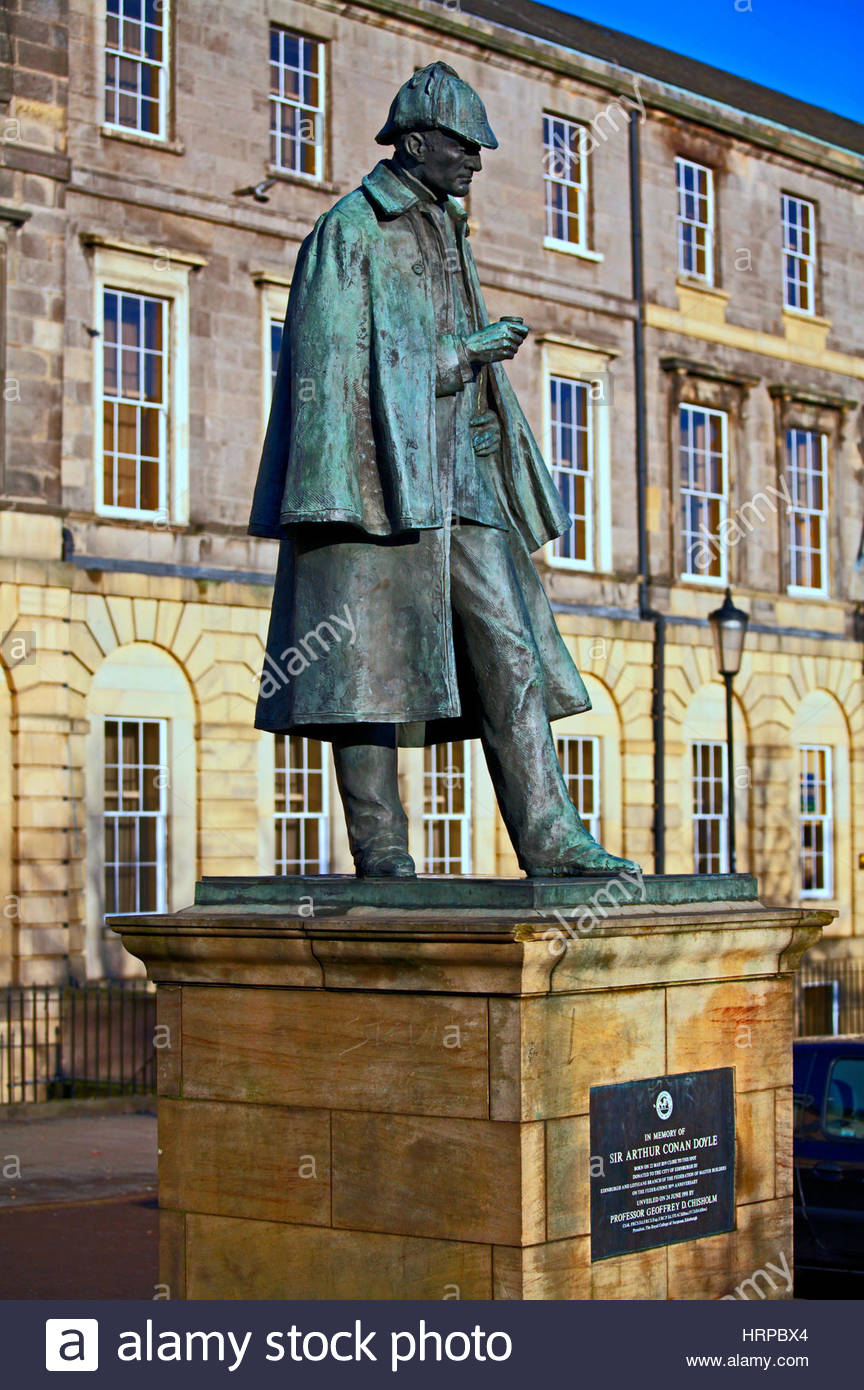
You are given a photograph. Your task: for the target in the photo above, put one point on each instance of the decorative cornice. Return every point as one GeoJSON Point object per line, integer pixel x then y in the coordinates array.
{"type": "Point", "coordinates": [270, 277]}
{"type": "Point", "coordinates": [153, 253]}
{"type": "Point", "coordinates": [472, 951]}
{"type": "Point", "coordinates": [689, 366]}
{"type": "Point", "coordinates": [16, 216]}
{"type": "Point", "coordinates": [809, 395]}
{"type": "Point", "coordinates": [577, 345]}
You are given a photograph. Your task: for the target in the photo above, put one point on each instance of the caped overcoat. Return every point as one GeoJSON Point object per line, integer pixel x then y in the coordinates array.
{"type": "Point", "coordinates": [361, 629]}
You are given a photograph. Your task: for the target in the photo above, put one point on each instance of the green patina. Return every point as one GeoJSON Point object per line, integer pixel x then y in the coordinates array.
{"type": "Point", "coordinates": [335, 892]}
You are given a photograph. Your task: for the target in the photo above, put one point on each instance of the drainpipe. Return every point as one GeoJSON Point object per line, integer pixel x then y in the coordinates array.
{"type": "Point", "coordinates": [649, 614]}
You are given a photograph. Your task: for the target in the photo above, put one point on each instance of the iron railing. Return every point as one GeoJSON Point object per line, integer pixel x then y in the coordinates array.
{"type": "Point", "coordinates": [829, 998]}
{"type": "Point", "coordinates": [60, 1042]}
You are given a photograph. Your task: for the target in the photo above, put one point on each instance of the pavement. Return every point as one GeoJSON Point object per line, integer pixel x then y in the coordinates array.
{"type": "Point", "coordinates": [78, 1215]}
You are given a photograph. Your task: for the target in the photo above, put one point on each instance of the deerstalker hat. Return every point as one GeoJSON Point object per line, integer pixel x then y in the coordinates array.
{"type": "Point", "coordinates": [436, 98]}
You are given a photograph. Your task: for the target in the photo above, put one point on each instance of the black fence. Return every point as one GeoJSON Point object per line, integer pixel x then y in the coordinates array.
{"type": "Point", "coordinates": [829, 998]}
{"type": "Point", "coordinates": [62, 1042]}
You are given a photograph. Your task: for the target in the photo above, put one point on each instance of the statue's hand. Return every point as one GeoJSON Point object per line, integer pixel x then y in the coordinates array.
{"type": "Point", "coordinates": [485, 433]}
{"type": "Point", "coordinates": [497, 341]}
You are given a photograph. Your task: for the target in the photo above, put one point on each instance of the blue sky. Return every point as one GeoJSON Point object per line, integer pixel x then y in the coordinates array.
{"type": "Point", "coordinates": [812, 51]}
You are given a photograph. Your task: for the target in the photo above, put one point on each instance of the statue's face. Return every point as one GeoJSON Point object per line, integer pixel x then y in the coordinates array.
{"type": "Point", "coordinates": [446, 163]}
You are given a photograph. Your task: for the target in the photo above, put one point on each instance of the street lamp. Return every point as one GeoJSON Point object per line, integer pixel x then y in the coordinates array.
{"type": "Point", "coordinates": [729, 626]}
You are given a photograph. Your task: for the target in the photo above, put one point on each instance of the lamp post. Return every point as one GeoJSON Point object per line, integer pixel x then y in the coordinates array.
{"type": "Point", "coordinates": [729, 626]}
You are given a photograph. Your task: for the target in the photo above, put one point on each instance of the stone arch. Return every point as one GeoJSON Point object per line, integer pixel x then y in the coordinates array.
{"type": "Point", "coordinates": [140, 680]}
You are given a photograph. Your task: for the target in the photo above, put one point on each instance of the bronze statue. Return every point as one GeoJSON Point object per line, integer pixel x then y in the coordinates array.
{"type": "Point", "coordinates": [408, 493]}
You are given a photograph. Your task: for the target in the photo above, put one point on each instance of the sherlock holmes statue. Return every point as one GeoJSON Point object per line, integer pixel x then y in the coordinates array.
{"type": "Point", "coordinates": [408, 493]}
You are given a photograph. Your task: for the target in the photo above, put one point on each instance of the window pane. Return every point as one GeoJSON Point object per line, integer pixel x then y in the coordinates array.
{"type": "Point", "coordinates": [296, 102]}
{"type": "Point", "coordinates": [134, 841]}
{"type": "Point", "coordinates": [806, 466]}
{"type": "Point", "coordinates": [704, 501]}
{"type": "Point", "coordinates": [710, 808]}
{"type": "Point", "coordinates": [301, 805]}
{"type": "Point", "coordinates": [565, 176]}
{"type": "Point", "coordinates": [580, 763]}
{"type": "Point", "coordinates": [816, 821]}
{"type": "Point", "coordinates": [133, 429]}
{"type": "Point", "coordinates": [275, 347]}
{"type": "Point", "coordinates": [695, 220]}
{"type": "Point", "coordinates": [844, 1102]}
{"type": "Point", "coordinates": [447, 808]}
{"type": "Point", "coordinates": [135, 65]}
{"type": "Point", "coordinates": [798, 221]}
{"type": "Point", "coordinates": [572, 466]}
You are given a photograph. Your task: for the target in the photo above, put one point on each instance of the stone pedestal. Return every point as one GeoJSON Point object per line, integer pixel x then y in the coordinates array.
{"type": "Point", "coordinates": [392, 1101]}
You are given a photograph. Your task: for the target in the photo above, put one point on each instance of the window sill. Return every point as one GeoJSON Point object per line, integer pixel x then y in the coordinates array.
{"type": "Point", "coordinates": [144, 142]}
{"type": "Point", "coordinates": [158, 519]}
{"type": "Point", "coordinates": [560, 562]}
{"type": "Point", "coordinates": [808, 315]}
{"type": "Point", "coordinates": [704, 581]}
{"type": "Point", "coordinates": [302, 180]}
{"type": "Point", "coordinates": [569, 248]}
{"type": "Point", "coordinates": [696, 282]}
{"type": "Point", "coordinates": [795, 591]}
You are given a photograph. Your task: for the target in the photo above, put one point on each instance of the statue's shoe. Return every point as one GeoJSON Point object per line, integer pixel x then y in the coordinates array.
{"type": "Point", "coordinates": [391, 863]}
{"type": "Point", "coordinates": [585, 859]}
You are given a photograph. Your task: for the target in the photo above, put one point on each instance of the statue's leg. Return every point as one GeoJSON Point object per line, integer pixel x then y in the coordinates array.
{"type": "Point", "coordinates": [542, 821]}
{"type": "Point", "coordinates": [366, 773]}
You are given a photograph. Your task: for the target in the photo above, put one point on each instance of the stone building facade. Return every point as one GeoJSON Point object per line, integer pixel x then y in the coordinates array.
{"type": "Point", "coordinates": [144, 280]}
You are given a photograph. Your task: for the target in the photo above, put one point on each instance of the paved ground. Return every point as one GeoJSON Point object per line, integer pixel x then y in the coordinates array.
{"type": "Point", "coordinates": [73, 1158]}
{"type": "Point", "coordinates": [78, 1214]}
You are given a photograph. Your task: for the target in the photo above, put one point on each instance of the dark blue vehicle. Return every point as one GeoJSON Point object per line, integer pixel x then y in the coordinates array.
{"type": "Point", "coordinates": [829, 1154]}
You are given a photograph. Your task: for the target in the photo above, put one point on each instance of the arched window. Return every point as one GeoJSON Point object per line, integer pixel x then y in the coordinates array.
{"type": "Point", "coordinates": [141, 796]}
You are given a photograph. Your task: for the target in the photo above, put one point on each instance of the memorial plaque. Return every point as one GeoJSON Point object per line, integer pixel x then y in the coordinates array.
{"type": "Point", "coordinates": [662, 1161]}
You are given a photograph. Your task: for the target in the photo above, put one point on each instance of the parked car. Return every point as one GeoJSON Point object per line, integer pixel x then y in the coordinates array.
{"type": "Point", "coordinates": [829, 1153]}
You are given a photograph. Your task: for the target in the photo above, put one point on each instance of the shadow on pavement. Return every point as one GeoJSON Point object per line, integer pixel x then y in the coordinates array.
{"type": "Point", "coordinates": [102, 1249]}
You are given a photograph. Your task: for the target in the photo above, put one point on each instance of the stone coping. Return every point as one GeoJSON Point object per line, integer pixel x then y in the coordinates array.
{"type": "Point", "coordinates": [472, 952]}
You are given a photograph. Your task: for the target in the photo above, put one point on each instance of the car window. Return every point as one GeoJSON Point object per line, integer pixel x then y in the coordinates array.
{"type": "Point", "coordinates": [805, 1110]}
{"type": "Point", "coordinates": [844, 1101]}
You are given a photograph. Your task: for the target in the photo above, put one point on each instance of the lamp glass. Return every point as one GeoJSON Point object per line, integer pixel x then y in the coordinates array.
{"type": "Point", "coordinates": [729, 626]}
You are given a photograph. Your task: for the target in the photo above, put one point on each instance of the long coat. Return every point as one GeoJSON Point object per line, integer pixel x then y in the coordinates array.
{"type": "Point", "coordinates": [361, 628]}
